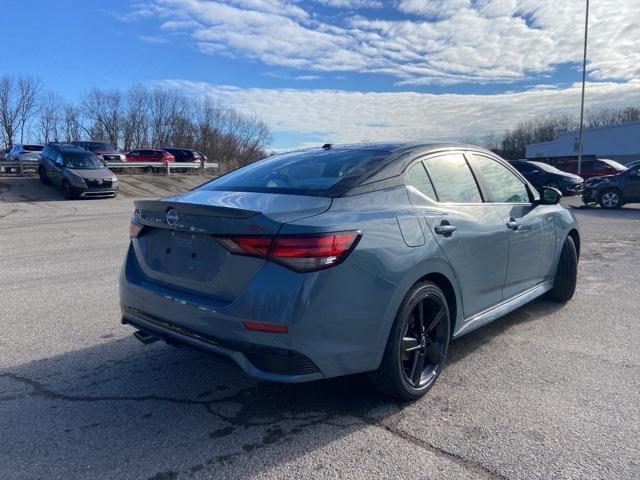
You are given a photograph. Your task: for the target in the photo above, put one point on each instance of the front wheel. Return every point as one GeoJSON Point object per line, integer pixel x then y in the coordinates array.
{"type": "Point", "coordinates": [43, 176]}
{"type": "Point", "coordinates": [417, 346]}
{"type": "Point", "coordinates": [610, 199]}
{"type": "Point", "coordinates": [564, 285]}
{"type": "Point", "coordinates": [67, 190]}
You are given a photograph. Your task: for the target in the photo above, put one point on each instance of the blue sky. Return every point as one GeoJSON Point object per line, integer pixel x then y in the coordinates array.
{"type": "Point", "coordinates": [337, 70]}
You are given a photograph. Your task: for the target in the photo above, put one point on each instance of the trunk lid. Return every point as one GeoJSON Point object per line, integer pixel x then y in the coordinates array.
{"type": "Point", "coordinates": [178, 247]}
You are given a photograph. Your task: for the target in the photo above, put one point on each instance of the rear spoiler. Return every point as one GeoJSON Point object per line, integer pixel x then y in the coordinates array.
{"type": "Point", "coordinates": [188, 216]}
{"type": "Point", "coordinates": [161, 207]}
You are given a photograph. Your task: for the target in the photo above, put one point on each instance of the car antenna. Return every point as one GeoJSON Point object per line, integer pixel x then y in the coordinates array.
{"type": "Point", "coordinates": [327, 146]}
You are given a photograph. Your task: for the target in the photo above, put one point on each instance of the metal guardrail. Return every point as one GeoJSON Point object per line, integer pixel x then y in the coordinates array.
{"type": "Point", "coordinates": [166, 166]}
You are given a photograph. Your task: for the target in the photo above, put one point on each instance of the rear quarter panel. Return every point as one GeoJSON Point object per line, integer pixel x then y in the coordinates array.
{"type": "Point", "coordinates": [358, 301]}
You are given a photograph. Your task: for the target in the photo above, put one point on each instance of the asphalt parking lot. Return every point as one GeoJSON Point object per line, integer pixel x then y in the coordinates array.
{"type": "Point", "coordinates": [547, 392]}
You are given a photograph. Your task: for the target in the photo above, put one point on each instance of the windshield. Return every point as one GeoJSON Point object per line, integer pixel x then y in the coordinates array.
{"type": "Point", "coordinates": [314, 172]}
{"type": "Point", "coordinates": [80, 161]}
{"type": "Point", "coordinates": [548, 168]}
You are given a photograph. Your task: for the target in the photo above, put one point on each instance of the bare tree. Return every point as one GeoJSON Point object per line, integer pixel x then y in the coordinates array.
{"type": "Point", "coordinates": [103, 111]}
{"type": "Point", "coordinates": [50, 118]}
{"type": "Point", "coordinates": [17, 106]}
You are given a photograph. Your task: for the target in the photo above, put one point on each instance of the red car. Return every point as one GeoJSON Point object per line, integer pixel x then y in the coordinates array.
{"type": "Point", "coordinates": [150, 155]}
{"type": "Point", "coordinates": [592, 168]}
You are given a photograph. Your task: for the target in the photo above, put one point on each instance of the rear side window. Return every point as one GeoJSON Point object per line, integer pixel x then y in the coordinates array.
{"type": "Point", "coordinates": [417, 177]}
{"type": "Point", "coordinates": [452, 179]}
{"type": "Point", "coordinates": [503, 185]}
{"type": "Point", "coordinates": [314, 172]}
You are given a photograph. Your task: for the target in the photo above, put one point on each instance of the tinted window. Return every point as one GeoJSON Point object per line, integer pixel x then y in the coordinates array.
{"type": "Point", "coordinates": [503, 185]}
{"type": "Point", "coordinates": [523, 167]}
{"type": "Point", "coordinates": [313, 172]}
{"type": "Point", "coordinates": [418, 178]}
{"type": "Point", "coordinates": [32, 148]}
{"type": "Point", "coordinates": [452, 179]}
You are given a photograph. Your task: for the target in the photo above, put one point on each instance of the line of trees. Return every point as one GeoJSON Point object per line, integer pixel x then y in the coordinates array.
{"type": "Point", "coordinates": [139, 117]}
{"type": "Point", "coordinates": [511, 144]}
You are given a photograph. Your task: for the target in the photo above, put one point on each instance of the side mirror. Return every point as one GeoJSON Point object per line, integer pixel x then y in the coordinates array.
{"type": "Point", "coordinates": [550, 196]}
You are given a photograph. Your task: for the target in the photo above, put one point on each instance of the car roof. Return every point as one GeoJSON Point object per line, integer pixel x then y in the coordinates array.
{"type": "Point", "coordinates": [68, 148]}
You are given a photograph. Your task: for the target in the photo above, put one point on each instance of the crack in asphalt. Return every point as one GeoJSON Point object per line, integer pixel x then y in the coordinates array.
{"type": "Point", "coordinates": [257, 414]}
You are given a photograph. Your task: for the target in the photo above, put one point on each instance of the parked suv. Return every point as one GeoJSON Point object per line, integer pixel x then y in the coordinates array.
{"type": "Point", "coordinates": [343, 260]}
{"type": "Point", "coordinates": [544, 175]}
{"type": "Point", "coordinates": [79, 172]}
{"type": "Point", "coordinates": [613, 191]}
{"type": "Point", "coordinates": [103, 149]}
{"type": "Point", "coordinates": [24, 152]}
{"type": "Point", "coordinates": [592, 168]}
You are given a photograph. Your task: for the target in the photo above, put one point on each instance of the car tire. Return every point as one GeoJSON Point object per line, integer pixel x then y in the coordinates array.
{"type": "Point", "coordinates": [610, 199]}
{"type": "Point", "coordinates": [67, 190]}
{"type": "Point", "coordinates": [42, 173]}
{"type": "Point", "coordinates": [412, 361]}
{"type": "Point", "coordinates": [564, 284]}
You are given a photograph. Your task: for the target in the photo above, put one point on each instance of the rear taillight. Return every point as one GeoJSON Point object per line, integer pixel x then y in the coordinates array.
{"type": "Point", "coordinates": [135, 227]}
{"type": "Point", "coordinates": [300, 253]}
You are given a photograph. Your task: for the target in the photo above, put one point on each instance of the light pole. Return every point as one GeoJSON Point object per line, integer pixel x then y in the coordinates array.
{"type": "Point", "coordinates": [584, 79]}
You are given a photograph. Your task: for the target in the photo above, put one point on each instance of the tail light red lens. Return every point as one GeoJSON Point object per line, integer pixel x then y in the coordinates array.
{"type": "Point", "coordinates": [301, 253]}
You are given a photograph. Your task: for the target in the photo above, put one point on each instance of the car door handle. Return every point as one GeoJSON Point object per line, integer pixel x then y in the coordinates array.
{"type": "Point", "coordinates": [513, 224]}
{"type": "Point", "coordinates": [445, 229]}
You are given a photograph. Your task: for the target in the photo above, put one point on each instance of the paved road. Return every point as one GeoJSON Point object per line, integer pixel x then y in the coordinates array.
{"type": "Point", "coordinates": [547, 392]}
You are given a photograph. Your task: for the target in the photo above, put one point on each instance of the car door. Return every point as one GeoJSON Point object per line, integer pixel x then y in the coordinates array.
{"type": "Point", "coordinates": [530, 228]}
{"type": "Point", "coordinates": [470, 232]}
{"type": "Point", "coordinates": [632, 190]}
{"type": "Point", "coordinates": [56, 168]}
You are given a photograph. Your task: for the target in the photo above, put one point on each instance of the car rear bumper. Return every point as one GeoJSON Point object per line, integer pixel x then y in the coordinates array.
{"type": "Point", "coordinates": [259, 361]}
{"type": "Point", "coordinates": [331, 330]}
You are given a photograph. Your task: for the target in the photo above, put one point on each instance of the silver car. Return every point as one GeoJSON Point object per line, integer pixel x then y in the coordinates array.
{"type": "Point", "coordinates": [80, 173]}
{"type": "Point", "coordinates": [342, 260]}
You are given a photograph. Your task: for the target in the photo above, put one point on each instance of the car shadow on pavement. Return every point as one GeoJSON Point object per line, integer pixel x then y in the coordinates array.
{"type": "Point", "coordinates": [128, 409]}
{"type": "Point", "coordinates": [118, 407]}
{"type": "Point", "coordinates": [28, 189]}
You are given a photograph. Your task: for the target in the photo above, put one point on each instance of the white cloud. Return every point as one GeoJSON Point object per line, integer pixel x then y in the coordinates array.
{"type": "Point", "coordinates": [345, 116]}
{"type": "Point", "coordinates": [442, 41]}
{"type": "Point", "coordinates": [351, 4]}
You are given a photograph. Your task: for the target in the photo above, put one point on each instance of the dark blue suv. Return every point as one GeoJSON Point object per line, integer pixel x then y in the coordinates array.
{"type": "Point", "coordinates": [613, 191]}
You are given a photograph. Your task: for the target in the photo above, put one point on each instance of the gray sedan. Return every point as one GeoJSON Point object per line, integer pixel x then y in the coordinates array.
{"type": "Point", "coordinates": [342, 260]}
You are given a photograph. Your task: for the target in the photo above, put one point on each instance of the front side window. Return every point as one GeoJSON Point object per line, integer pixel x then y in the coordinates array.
{"type": "Point", "coordinates": [417, 177]}
{"type": "Point", "coordinates": [452, 179]}
{"type": "Point", "coordinates": [503, 185]}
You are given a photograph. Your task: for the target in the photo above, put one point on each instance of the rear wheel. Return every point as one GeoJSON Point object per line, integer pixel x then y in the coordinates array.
{"type": "Point", "coordinates": [43, 176]}
{"type": "Point", "coordinates": [417, 346]}
{"type": "Point", "coordinates": [564, 285]}
{"type": "Point", "coordinates": [610, 199]}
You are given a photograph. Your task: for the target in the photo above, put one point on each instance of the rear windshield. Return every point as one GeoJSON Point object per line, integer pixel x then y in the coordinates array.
{"type": "Point", "coordinates": [82, 161]}
{"type": "Point", "coordinates": [95, 145]}
{"type": "Point", "coordinates": [33, 148]}
{"type": "Point", "coordinates": [315, 172]}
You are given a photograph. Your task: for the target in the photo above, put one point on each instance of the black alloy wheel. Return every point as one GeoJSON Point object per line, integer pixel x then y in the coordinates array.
{"type": "Point", "coordinates": [417, 346]}
{"type": "Point", "coordinates": [424, 342]}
